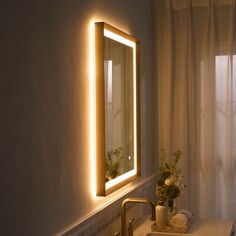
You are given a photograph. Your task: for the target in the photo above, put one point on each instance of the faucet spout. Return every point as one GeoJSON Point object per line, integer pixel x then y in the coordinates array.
{"type": "Point", "coordinates": [134, 200]}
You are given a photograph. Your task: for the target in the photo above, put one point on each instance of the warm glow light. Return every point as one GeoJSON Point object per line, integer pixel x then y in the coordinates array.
{"type": "Point", "coordinates": [120, 178]}
{"type": "Point", "coordinates": [92, 110]}
{"type": "Point", "coordinates": [135, 108]}
{"type": "Point", "coordinates": [118, 38]}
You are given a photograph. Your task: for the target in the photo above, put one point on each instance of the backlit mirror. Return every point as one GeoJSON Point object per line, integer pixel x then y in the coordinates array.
{"type": "Point", "coordinates": [117, 108]}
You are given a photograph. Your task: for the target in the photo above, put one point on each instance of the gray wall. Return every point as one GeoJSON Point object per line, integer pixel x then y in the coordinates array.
{"type": "Point", "coordinates": [44, 94]}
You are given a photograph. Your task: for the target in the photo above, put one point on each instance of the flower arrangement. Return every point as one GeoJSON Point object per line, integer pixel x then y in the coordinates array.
{"type": "Point", "coordinates": [170, 185]}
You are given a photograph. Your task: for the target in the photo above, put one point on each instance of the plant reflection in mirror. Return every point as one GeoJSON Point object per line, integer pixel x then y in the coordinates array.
{"type": "Point", "coordinates": [112, 163]}
{"type": "Point", "coordinates": [170, 185]}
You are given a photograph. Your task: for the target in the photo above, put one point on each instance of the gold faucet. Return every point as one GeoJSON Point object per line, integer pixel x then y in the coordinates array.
{"type": "Point", "coordinates": [130, 227]}
{"type": "Point", "coordinates": [134, 200]}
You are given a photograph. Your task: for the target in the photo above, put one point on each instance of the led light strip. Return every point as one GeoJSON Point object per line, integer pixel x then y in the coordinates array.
{"type": "Point", "coordinates": [118, 38]}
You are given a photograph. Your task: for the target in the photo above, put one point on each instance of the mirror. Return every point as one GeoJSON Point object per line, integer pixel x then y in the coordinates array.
{"type": "Point", "coordinates": [117, 108]}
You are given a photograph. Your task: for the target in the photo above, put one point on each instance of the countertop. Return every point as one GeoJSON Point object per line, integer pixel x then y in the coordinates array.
{"type": "Point", "coordinates": [199, 227]}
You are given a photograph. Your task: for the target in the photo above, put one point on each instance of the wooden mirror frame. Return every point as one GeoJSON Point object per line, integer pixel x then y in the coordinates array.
{"type": "Point", "coordinates": [101, 189]}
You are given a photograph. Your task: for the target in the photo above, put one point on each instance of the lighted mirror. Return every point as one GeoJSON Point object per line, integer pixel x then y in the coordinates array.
{"type": "Point", "coordinates": [117, 108]}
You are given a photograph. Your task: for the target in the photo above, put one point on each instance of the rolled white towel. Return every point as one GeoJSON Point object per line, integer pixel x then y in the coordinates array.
{"type": "Point", "coordinates": [179, 220]}
{"type": "Point", "coordinates": [186, 212]}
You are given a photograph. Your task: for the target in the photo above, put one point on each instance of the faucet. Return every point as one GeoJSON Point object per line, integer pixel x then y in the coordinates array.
{"type": "Point", "coordinates": [134, 200]}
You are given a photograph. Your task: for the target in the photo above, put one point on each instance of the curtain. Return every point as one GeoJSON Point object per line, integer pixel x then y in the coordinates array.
{"type": "Point", "coordinates": [195, 61]}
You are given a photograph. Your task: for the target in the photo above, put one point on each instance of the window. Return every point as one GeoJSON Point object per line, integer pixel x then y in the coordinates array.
{"type": "Point", "coordinates": [226, 102]}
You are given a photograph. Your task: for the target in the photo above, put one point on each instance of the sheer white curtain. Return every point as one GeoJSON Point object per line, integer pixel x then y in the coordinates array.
{"type": "Point", "coordinates": [196, 98]}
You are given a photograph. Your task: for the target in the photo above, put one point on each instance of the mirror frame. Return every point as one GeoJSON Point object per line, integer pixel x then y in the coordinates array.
{"type": "Point", "coordinates": [100, 28]}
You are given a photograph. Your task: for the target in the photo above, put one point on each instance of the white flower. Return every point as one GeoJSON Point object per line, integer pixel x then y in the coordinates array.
{"type": "Point", "coordinates": [170, 180]}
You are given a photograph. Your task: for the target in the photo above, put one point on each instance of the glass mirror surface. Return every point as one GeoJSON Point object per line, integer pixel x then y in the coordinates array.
{"type": "Point", "coordinates": [118, 78]}
{"type": "Point", "coordinates": [118, 159]}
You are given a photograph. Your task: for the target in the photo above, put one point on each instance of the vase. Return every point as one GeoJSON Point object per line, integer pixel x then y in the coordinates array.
{"type": "Point", "coordinates": [161, 215]}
